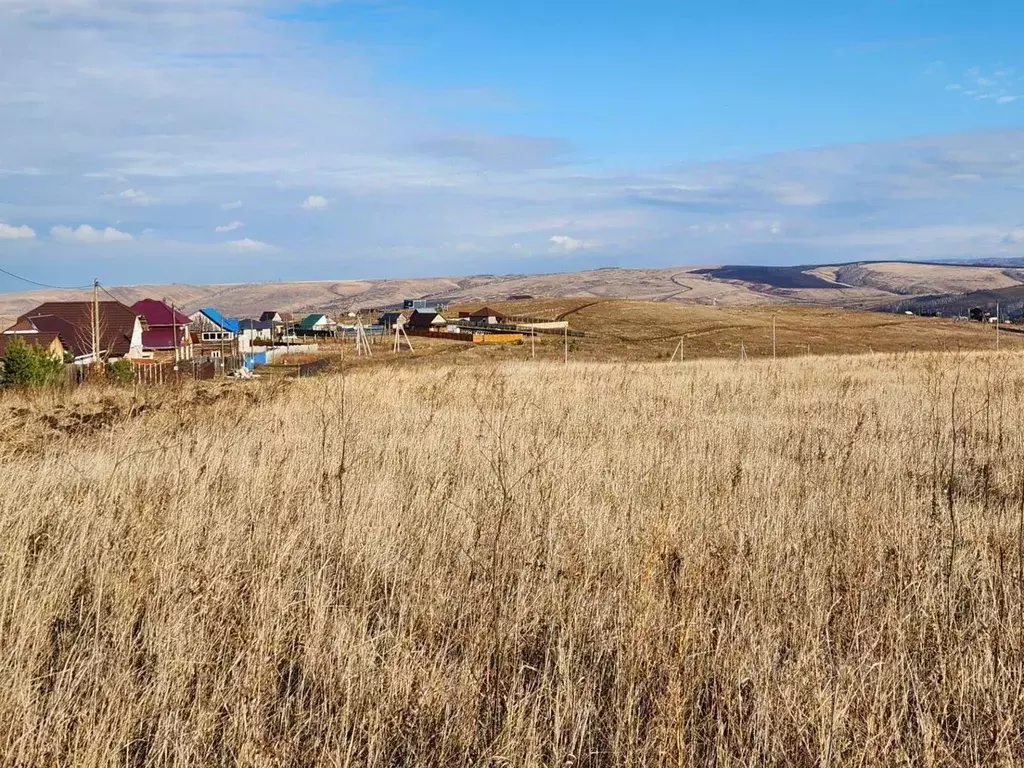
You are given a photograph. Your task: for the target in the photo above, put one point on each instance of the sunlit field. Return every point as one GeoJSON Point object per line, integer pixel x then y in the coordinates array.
{"type": "Point", "coordinates": [814, 561]}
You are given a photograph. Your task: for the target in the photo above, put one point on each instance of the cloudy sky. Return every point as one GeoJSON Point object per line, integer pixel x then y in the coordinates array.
{"type": "Point", "coordinates": [238, 140]}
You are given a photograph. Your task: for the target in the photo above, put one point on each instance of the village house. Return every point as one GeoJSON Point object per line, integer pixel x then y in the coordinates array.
{"type": "Point", "coordinates": [317, 325]}
{"type": "Point", "coordinates": [426, 320]}
{"type": "Point", "coordinates": [167, 335]}
{"type": "Point", "coordinates": [215, 335]}
{"type": "Point", "coordinates": [256, 330]}
{"type": "Point", "coordinates": [281, 323]}
{"type": "Point", "coordinates": [117, 334]}
{"type": "Point", "coordinates": [486, 316]}
{"type": "Point", "coordinates": [393, 319]}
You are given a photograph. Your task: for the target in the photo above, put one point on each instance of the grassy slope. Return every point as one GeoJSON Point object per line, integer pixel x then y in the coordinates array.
{"type": "Point", "coordinates": [801, 563]}
{"type": "Point", "coordinates": [633, 330]}
{"type": "Point", "coordinates": [619, 330]}
{"type": "Point", "coordinates": [868, 285]}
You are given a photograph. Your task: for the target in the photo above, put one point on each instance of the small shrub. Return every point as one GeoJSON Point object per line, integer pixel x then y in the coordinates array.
{"type": "Point", "coordinates": [121, 371]}
{"type": "Point", "coordinates": [27, 365]}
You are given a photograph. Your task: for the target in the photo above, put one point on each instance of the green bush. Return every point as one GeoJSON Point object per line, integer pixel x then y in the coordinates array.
{"type": "Point", "coordinates": [26, 365]}
{"type": "Point", "coordinates": [122, 371]}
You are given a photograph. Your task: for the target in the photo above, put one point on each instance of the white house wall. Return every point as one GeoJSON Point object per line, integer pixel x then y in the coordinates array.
{"type": "Point", "coordinates": [136, 352]}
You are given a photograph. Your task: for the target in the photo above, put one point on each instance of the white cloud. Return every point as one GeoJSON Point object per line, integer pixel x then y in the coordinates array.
{"type": "Point", "coordinates": [136, 197]}
{"type": "Point", "coordinates": [250, 246]}
{"type": "Point", "coordinates": [88, 234]}
{"type": "Point", "coordinates": [20, 171]}
{"type": "Point", "coordinates": [996, 87]}
{"type": "Point", "coordinates": [230, 227]}
{"type": "Point", "coordinates": [567, 244]}
{"type": "Point", "coordinates": [795, 193]}
{"type": "Point", "coordinates": [315, 203]}
{"type": "Point", "coordinates": [11, 232]}
{"type": "Point", "coordinates": [231, 206]}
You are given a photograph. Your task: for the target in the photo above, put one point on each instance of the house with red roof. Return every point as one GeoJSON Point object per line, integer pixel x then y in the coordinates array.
{"type": "Point", "coordinates": [167, 335]}
{"type": "Point", "coordinates": [118, 335]}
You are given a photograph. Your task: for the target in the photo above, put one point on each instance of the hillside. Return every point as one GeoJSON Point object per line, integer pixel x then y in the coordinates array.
{"type": "Point", "coordinates": [640, 331]}
{"type": "Point", "coordinates": [862, 285]}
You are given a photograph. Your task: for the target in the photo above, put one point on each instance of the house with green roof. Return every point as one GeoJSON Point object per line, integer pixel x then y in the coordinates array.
{"type": "Point", "coordinates": [317, 324]}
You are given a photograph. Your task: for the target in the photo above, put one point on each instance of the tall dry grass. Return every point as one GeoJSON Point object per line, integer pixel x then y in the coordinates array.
{"type": "Point", "coordinates": [815, 562]}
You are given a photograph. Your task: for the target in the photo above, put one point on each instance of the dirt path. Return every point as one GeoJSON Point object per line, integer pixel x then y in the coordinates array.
{"type": "Point", "coordinates": [685, 288]}
{"type": "Point", "coordinates": [580, 308]}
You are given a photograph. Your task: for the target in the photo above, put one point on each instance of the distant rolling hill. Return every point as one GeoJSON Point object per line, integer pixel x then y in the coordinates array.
{"type": "Point", "coordinates": [855, 285]}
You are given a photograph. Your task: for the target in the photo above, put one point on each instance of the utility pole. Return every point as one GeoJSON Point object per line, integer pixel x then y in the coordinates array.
{"type": "Point", "coordinates": [773, 337]}
{"type": "Point", "coordinates": [533, 343]}
{"type": "Point", "coordinates": [174, 330]}
{"type": "Point", "coordinates": [997, 325]}
{"type": "Point", "coordinates": [566, 336]}
{"type": "Point", "coordinates": [95, 320]}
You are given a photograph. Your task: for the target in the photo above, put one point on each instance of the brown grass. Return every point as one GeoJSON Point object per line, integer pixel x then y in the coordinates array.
{"type": "Point", "coordinates": [650, 331]}
{"type": "Point", "coordinates": [908, 278]}
{"type": "Point", "coordinates": [811, 562]}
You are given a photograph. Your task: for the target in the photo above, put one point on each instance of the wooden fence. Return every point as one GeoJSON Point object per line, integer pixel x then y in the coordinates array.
{"type": "Point", "coordinates": [175, 373]}
{"type": "Point", "coordinates": [150, 373]}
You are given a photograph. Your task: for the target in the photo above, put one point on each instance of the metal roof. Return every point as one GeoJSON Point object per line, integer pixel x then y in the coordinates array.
{"type": "Point", "coordinates": [158, 313]}
{"type": "Point", "coordinates": [228, 324]}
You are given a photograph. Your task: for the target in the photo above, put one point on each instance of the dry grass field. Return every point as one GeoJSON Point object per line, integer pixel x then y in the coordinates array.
{"type": "Point", "coordinates": [815, 561]}
{"type": "Point", "coordinates": [650, 331]}
{"type": "Point", "coordinates": [635, 331]}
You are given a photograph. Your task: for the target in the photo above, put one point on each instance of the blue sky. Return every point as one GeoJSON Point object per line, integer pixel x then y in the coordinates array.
{"type": "Point", "coordinates": [234, 140]}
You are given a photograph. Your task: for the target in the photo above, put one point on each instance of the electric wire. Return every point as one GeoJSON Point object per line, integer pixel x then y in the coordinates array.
{"type": "Point", "coordinates": [44, 285]}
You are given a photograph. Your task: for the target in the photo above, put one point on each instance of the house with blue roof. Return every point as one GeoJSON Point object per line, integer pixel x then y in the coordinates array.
{"type": "Point", "coordinates": [216, 335]}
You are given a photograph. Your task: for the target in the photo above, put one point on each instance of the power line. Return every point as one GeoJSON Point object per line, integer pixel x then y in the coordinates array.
{"type": "Point", "coordinates": [45, 285]}
{"type": "Point", "coordinates": [102, 288]}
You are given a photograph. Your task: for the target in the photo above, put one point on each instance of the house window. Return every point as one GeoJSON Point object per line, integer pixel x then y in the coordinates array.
{"type": "Point", "coordinates": [216, 336]}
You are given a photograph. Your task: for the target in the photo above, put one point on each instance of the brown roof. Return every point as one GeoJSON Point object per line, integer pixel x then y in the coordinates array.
{"type": "Point", "coordinates": [487, 312]}
{"type": "Point", "coordinates": [21, 325]}
{"type": "Point", "coordinates": [72, 320]}
{"type": "Point", "coordinates": [285, 317]}
{"type": "Point", "coordinates": [422, 319]}
{"type": "Point", "coordinates": [43, 340]}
